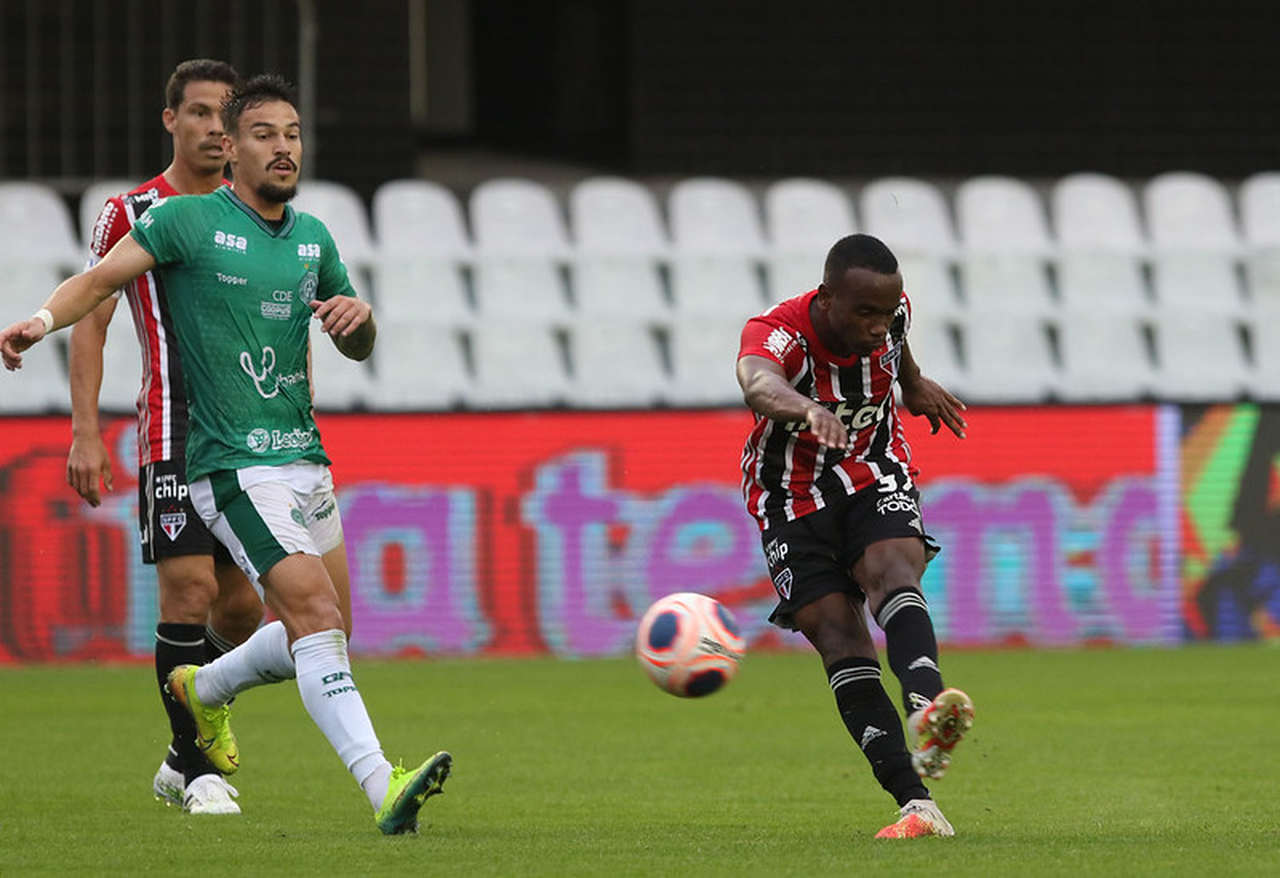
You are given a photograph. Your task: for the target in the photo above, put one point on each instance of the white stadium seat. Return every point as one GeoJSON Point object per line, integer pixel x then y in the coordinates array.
{"type": "Point", "coordinates": [620, 287]}
{"type": "Point", "coordinates": [1199, 357]}
{"type": "Point", "coordinates": [934, 350]}
{"type": "Point", "coordinates": [806, 216]}
{"type": "Point", "coordinates": [1260, 224]}
{"type": "Point", "coordinates": [713, 216]}
{"type": "Point", "coordinates": [517, 364]}
{"type": "Point", "coordinates": [910, 216]}
{"type": "Point", "coordinates": [1104, 357]}
{"type": "Point", "coordinates": [418, 366]}
{"type": "Point", "coordinates": [36, 228]}
{"type": "Point", "coordinates": [1196, 281]}
{"type": "Point", "coordinates": [790, 274]}
{"type": "Point", "coordinates": [121, 362]}
{"type": "Point", "coordinates": [1105, 281]}
{"type": "Point", "coordinates": [928, 283]}
{"type": "Point", "coordinates": [1265, 378]}
{"type": "Point", "coordinates": [343, 213]}
{"type": "Point", "coordinates": [1187, 211]}
{"type": "Point", "coordinates": [339, 383]}
{"type": "Point", "coordinates": [92, 200]}
{"type": "Point", "coordinates": [1095, 212]}
{"type": "Point", "coordinates": [419, 219]}
{"type": "Point", "coordinates": [1007, 357]}
{"type": "Point", "coordinates": [41, 384]}
{"type": "Point", "coordinates": [1001, 214]}
{"type": "Point", "coordinates": [511, 217]}
{"type": "Point", "coordinates": [616, 364]}
{"type": "Point", "coordinates": [612, 216]}
{"type": "Point", "coordinates": [715, 287]}
{"type": "Point", "coordinates": [421, 291]}
{"type": "Point", "coordinates": [704, 355]}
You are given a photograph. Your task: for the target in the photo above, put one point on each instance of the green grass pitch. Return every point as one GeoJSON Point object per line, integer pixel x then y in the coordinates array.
{"type": "Point", "coordinates": [1097, 762]}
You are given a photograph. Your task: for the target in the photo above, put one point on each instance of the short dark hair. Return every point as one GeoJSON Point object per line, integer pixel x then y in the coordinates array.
{"type": "Point", "coordinates": [859, 251]}
{"type": "Point", "coordinates": [257, 90]}
{"type": "Point", "coordinates": [197, 70]}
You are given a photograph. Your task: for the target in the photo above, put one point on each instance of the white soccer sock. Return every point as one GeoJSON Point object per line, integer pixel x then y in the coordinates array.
{"type": "Point", "coordinates": [330, 695]}
{"type": "Point", "coordinates": [263, 658]}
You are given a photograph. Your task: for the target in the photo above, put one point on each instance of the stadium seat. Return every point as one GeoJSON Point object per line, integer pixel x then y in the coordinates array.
{"type": "Point", "coordinates": [704, 353]}
{"type": "Point", "coordinates": [36, 228]}
{"type": "Point", "coordinates": [121, 363]}
{"type": "Point", "coordinates": [994, 282]}
{"type": "Point", "coordinates": [1199, 357]}
{"type": "Point", "coordinates": [340, 384]}
{"type": "Point", "coordinates": [611, 216]}
{"type": "Point", "coordinates": [1095, 212]}
{"type": "Point", "coordinates": [715, 287]}
{"type": "Point", "coordinates": [806, 216]}
{"type": "Point", "coordinates": [1007, 357]}
{"type": "Point", "coordinates": [1260, 223]}
{"type": "Point", "coordinates": [616, 364]}
{"type": "Point", "coordinates": [40, 386]}
{"type": "Point", "coordinates": [1104, 357]}
{"type": "Point", "coordinates": [1001, 215]}
{"type": "Point", "coordinates": [910, 216]}
{"type": "Point", "coordinates": [1196, 281]}
{"type": "Point", "coordinates": [1264, 380]}
{"type": "Point", "coordinates": [342, 211]}
{"type": "Point", "coordinates": [1187, 211]}
{"type": "Point", "coordinates": [92, 200]}
{"type": "Point", "coordinates": [1105, 281]}
{"type": "Point", "coordinates": [420, 219]}
{"type": "Point", "coordinates": [517, 364]}
{"type": "Point", "coordinates": [928, 283]}
{"type": "Point", "coordinates": [521, 288]}
{"type": "Point", "coordinates": [791, 274]}
{"type": "Point", "coordinates": [419, 366]}
{"type": "Point", "coordinates": [620, 287]}
{"type": "Point", "coordinates": [422, 245]}
{"type": "Point", "coordinates": [713, 216]}
{"type": "Point", "coordinates": [934, 350]}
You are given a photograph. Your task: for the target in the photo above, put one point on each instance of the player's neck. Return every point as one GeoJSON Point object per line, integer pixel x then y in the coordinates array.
{"type": "Point", "coordinates": [186, 181]}
{"type": "Point", "coordinates": [268, 210]}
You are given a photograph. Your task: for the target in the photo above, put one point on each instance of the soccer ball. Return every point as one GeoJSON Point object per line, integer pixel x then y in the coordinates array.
{"type": "Point", "coordinates": [689, 644]}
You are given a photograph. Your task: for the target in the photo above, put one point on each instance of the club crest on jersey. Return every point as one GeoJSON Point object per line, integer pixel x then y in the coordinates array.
{"type": "Point", "coordinates": [172, 524]}
{"type": "Point", "coordinates": [307, 287]}
{"type": "Point", "coordinates": [782, 582]}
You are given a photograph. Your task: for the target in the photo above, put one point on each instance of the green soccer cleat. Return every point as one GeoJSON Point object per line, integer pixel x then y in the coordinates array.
{"type": "Point", "coordinates": [408, 790]}
{"type": "Point", "coordinates": [214, 737]}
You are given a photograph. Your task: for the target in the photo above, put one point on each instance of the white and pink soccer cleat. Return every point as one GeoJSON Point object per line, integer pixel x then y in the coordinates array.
{"type": "Point", "coordinates": [934, 731]}
{"type": "Point", "coordinates": [920, 817]}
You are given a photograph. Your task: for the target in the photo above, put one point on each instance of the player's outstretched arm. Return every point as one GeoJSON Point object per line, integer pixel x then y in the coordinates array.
{"type": "Point", "coordinates": [349, 322]}
{"type": "Point", "coordinates": [768, 392]}
{"type": "Point", "coordinates": [88, 463]}
{"type": "Point", "coordinates": [74, 298]}
{"type": "Point", "coordinates": [924, 396]}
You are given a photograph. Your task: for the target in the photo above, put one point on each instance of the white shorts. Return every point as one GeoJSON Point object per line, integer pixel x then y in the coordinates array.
{"type": "Point", "coordinates": [263, 514]}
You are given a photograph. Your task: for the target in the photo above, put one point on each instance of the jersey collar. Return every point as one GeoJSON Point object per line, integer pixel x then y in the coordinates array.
{"type": "Point", "coordinates": [290, 216]}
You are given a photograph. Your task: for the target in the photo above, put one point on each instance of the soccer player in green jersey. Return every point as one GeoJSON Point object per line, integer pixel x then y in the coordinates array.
{"type": "Point", "coordinates": [245, 273]}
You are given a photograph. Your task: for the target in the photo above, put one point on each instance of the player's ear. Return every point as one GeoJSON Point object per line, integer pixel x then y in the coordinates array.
{"type": "Point", "coordinates": [170, 119]}
{"type": "Point", "coordinates": [229, 147]}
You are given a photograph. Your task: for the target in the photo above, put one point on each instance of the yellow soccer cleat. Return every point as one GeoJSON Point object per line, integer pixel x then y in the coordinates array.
{"type": "Point", "coordinates": [408, 790]}
{"type": "Point", "coordinates": [920, 818]}
{"type": "Point", "coordinates": [934, 732]}
{"type": "Point", "coordinates": [214, 737]}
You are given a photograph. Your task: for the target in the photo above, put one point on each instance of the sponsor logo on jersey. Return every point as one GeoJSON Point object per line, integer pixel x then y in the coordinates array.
{"type": "Point", "coordinates": [231, 279]}
{"type": "Point", "coordinates": [266, 381]}
{"type": "Point", "coordinates": [172, 524]}
{"type": "Point", "coordinates": [229, 241]}
{"type": "Point", "coordinates": [853, 416]}
{"type": "Point", "coordinates": [779, 343]}
{"type": "Point", "coordinates": [259, 441]}
{"type": "Point", "coordinates": [308, 251]}
{"type": "Point", "coordinates": [898, 502]}
{"type": "Point", "coordinates": [169, 487]}
{"type": "Point", "coordinates": [276, 310]}
{"type": "Point", "coordinates": [307, 287]}
{"type": "Point", "coordinates": [325, 511]}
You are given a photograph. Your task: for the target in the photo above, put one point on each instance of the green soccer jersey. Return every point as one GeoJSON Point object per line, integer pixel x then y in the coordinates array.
{"type": "Point", "coordinates": [237, 292]}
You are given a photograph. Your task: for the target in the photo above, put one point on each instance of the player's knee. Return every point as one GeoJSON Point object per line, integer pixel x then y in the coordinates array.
{"type": "Point", "coordinates": [236, 616]}
{"type": "Point", "coordinates": [186, 597]}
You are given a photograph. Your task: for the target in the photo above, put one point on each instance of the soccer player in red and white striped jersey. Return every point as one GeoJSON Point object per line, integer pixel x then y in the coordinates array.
{"type": "Point", "coordinates": [827, 473]}
{"type": "Point", "coordinates": [206, 607]}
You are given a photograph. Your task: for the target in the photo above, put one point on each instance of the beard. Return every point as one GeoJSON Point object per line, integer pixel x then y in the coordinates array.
{"type": "Point", "coordinates": [275, 193]}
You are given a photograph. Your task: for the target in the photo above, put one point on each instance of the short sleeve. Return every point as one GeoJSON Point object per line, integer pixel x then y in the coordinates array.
{"type": "Point", "coordinates": [112, 225]}
{"type": "Point", "coordinates": [765, 338]}
{"type": "Point", "coordinates": [162, 230]}
{"type": "Point", "coordinates": [333, 272]}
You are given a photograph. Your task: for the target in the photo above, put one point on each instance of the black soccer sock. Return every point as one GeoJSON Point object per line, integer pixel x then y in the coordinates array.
{"type": "Point", "coordinates": [215, 645]}
{"type": "Point", "coordinates": [912, 647]}
{"type": "Point", "coordinates": [873, 723]}
{"type": "Point", "coordinates": [179, 644]}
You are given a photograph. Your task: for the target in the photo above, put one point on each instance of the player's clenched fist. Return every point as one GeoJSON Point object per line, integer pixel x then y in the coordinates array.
{"type": "Point", "coordinates": [17, 337]}
{"type": "Point", "coordinates": [341, 315]}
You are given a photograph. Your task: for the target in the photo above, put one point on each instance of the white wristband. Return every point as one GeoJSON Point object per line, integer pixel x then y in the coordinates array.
{"type": "Point", "coordinates": [45, 317]}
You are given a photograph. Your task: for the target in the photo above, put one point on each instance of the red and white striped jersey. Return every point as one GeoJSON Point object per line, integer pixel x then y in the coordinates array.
{"type": "Point", "coordinates": [162, 401]}
{"type": "Point", "coordinates": [785, 473]}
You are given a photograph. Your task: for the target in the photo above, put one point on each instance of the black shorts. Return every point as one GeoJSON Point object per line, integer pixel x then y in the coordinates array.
{"type": "Point", "coordinates": [168, 524]}
{"type": "Point", "coordinates": [814, 555]}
